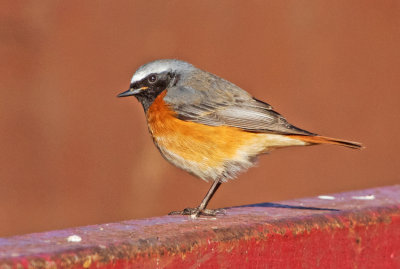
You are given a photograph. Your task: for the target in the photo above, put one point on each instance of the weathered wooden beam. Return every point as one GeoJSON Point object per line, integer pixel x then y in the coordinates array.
{"type": "Point", "coordinates": [359, 229]}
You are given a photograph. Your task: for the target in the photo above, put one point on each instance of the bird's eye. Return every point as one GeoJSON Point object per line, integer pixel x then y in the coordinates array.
{"type": "Point", "coordinates": [152, 78]}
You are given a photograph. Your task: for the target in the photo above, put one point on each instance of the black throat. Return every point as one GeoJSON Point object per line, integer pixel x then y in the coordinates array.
{"type": "Point", "coordinates": [147, 97]}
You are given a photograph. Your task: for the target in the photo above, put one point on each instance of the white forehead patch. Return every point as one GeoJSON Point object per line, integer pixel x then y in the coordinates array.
{"type": "Point", "coordinates": [160, 66]}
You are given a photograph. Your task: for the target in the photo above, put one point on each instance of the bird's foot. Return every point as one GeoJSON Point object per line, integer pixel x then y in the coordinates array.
{"type": "Point", "coordinates": [195, 212]}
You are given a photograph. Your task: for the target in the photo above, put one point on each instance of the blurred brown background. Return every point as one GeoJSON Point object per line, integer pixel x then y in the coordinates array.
{"type": "Point", "coordinates": [74, 154]}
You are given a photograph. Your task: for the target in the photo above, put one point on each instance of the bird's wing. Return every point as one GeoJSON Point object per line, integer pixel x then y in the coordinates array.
{"type": "Point", "coordinates": [232, 107]}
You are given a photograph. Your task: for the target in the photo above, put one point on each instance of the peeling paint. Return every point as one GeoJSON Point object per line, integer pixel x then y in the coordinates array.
{"type": "Point", "coordinates": [74, 238]}
{"type": "Point", "coordinates": [364, 197]}
{"type": "Point", "coordinates": [326, 197]}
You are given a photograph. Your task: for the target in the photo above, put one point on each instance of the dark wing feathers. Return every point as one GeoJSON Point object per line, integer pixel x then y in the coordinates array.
{"type": "Point", "coordinates": [231, 107]}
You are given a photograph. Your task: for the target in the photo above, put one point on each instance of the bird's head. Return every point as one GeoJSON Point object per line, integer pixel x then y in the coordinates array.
{"type": "Point", "coordinates": [153, 78]}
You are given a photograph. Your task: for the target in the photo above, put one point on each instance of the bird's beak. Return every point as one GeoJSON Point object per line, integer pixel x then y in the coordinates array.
{"type": "Point", "coordinates": [131, 91]}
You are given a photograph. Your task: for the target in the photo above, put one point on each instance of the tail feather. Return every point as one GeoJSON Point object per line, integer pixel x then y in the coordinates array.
{"type": "Point", "coordinates": [327, 140]}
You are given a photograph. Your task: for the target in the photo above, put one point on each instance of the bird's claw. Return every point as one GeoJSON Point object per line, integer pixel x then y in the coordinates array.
{"type": "Point", "coordinates": [195, 212]}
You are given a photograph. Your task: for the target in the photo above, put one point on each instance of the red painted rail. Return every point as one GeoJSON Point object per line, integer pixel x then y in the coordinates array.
{"type": "Point", "coordinates": [358, 229]}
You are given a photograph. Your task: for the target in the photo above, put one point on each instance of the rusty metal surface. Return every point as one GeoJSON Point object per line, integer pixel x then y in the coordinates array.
{"type": "Point", "coordinates": [346, 230]}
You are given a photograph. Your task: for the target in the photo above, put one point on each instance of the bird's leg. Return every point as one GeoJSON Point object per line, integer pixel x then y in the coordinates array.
{"type": "Point", "coordinates": [213, 189]}
{"type": "Point", "coordinates": [201, 209]}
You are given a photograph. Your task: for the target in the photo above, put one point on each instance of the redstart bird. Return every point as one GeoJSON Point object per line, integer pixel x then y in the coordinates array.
{"type": "Point", "coordinates": [210, 127]}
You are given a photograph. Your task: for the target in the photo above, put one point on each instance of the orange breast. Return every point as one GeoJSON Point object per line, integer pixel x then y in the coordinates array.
{"type": "Point", "coordinates": [209, 152]}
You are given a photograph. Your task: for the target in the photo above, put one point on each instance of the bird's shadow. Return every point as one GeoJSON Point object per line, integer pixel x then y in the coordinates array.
{"type": "Point", "coordinates": [274, 205]}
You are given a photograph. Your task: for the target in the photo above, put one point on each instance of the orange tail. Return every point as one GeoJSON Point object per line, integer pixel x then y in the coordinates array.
{"type": "Point", "coordinates": [327, 140]}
